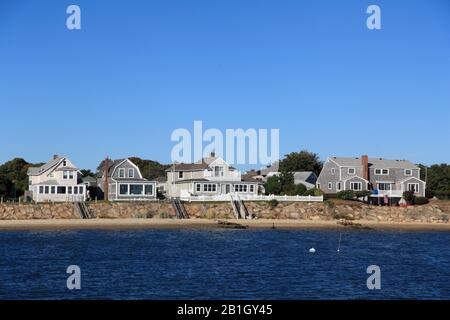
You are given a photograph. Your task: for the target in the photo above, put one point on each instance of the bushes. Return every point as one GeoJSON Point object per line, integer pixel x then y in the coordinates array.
{"type": "Point", "coordinates": [313, 192]}
{"type": "Point", "coordinates": [300, 190]}
{"type": "Point", "coordinates": [346, 195]}
{"type": "Point", "coordinates": [420, 200]}
{"type": "Point", "coordinates": [273, 203]}
{"type": "Point", "coordinates": [363, 194]}
{"type": "Point", "coordinates": [409, 196]}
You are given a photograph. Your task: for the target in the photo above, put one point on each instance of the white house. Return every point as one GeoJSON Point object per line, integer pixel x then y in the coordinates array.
{"type": "Point", "coordinates": [209, 177]}
{"type": "Point", "coordinates": [58, 180]}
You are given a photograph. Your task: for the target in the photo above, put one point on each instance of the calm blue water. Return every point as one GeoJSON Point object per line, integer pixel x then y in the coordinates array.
{"type": "Point", "coordinates": [223, 264]}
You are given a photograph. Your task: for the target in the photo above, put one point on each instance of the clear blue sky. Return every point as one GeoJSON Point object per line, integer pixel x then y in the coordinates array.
{"type": "Point", "coordinates": [139, 69]}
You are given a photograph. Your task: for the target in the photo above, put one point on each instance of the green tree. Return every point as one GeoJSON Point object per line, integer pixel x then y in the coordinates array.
{"type": "Point", "coordinates": [6, 186]}
{"type": "Point", "coordinates": [16, 172]}
{"type": "Point", "coordinates": [87, 173]}
{"type": "Point", "coordinates": [301, 161]}
{"type": "Point", "coordinates": [273, 185]}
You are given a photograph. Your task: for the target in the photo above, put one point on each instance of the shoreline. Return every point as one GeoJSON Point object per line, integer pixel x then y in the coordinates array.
{"type": "Point", "coordinates": [135, 223]}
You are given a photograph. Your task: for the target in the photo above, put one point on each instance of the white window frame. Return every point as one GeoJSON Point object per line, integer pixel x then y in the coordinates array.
{"type": "Point", "coordinates": [333, 171]}
{"type": "Point", "coordinates": [416, 190]}
{"type": "Point", "coordinates": [352, 173]}
{"type": "Point", "coordinates": [380, 172]}
{"type": "Point", "coordinates": [408, 174]}
{"type": "Point", "coordinates": [130, 175]}
{"type": "Point", "coordinates": [121, 172]}
{"type": "Point", "coordinates": [356, 182]}
{"type": "Point", "coordinates": [330, 185]}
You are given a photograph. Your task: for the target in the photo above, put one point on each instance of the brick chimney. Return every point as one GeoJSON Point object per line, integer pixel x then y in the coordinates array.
{"type": "Point", "coordinates": [365, 166]}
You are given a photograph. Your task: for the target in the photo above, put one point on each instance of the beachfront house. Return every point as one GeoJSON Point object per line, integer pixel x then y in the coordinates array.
{"type": "Point", "coordinates": [211, 176]}
{"type": "Point", "coordinates": [385, 178]}
{"type": "Point", "coordinates": [58, 180]}
{"type": "Point", "coordinates": [122, 180]}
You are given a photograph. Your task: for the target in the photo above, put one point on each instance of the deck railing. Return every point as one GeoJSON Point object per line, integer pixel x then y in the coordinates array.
{"type": "Point", "coordinates": [226, 197]}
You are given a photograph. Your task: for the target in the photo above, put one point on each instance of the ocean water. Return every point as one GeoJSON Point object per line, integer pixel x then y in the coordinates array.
{"type": "Point", "coordinates": [224, 264]}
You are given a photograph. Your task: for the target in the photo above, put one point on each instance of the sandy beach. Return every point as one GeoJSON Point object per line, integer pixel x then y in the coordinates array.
{"type": "Point", "coordinates": [63, 224]}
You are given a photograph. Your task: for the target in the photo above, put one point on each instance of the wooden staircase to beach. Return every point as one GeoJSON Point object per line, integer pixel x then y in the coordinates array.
{"type": "Point", "coordinates": [179, 208]}
{"type": "Point", "coordinates": [83, 210]}
{"type": "Point", "coordinates": [239, 208]}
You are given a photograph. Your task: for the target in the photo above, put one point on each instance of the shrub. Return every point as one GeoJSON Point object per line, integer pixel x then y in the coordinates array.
{"type": "Point", "coordinates": [420, 200]}
{"type": "Point", "coordinates": [409, 196]}
{"type": "Point", "coordinates": [314, 192]}
{"type": "Point", "coordinates": [273, 203]}
{"type": "Point", "coordinates": [300, 189]}
{"type": "Point", "coordinates": [346, 195]}
{"type": "Point", "coordinates": [363, 194]}
{"type": "Point", "coordinates": [164, 215]}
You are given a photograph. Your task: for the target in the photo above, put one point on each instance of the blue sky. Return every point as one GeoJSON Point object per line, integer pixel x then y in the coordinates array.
{"type": "Point", "coordinates": [137, 70]}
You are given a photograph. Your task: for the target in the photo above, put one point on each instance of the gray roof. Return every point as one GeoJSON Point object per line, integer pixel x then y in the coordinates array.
{"type": "Point", "coordinates": [273, 168]}
{"type": "Point", "coordinates": [375, 163]}
{"type": "Point", "coordinates": [303, 175]}
{"type": "Point", "coordinates": [35, 171]}
{"type": "Point", "coordinates": [89, 179]}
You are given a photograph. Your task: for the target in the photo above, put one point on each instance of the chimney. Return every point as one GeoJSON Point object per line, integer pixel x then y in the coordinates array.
{"type": "Point", "coordinates": [106, 182]}
{"type": "Point", "coordinates": [365, 166]}
{"type": "Point", "coordinates": [213, 154]}
{"type": "Point", "coordinates": [55, 156]}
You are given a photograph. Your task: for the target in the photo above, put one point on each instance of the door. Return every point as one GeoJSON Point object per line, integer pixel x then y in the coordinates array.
{"type": "Point", "coordinates": [227, 188]}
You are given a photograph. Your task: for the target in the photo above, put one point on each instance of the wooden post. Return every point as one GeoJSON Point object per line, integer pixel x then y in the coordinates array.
{"type": "Point", "coordinates": [106, 185]}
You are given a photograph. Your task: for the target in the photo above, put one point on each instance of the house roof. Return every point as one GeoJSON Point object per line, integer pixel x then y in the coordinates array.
{"type": "Point", "coordinates": [36, 171]}
{"type": "Point", "coordinates": [273, 168]}
{"type": "Point", "coordinates": [375, 162]}
{"type": "Point", "coordinates": [303, 175]}
{"type": "Point", "coordinates": [188, 167]}
{"type": "Point", "coordinates": [89, 179]}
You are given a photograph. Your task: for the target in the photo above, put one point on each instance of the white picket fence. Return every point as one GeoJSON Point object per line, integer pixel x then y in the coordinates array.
{"type": "Point", "coordinates": [227, 197]}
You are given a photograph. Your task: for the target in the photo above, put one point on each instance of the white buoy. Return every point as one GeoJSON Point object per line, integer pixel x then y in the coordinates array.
{"type": "Point", "coordinates": [312, 250]}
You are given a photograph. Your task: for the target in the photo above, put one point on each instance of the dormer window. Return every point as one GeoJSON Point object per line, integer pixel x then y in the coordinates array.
{"type": "Point", "coordinates": [121, 173]}
{"type": "Point", "coordinates": [351, 170]}
{"type": "Point", "coordinates": [130, 173]}
{"type": "Point", "coordinates": [408, 172]}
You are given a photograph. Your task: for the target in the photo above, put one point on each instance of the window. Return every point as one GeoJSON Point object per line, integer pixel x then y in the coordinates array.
{"type": "Point", "coordinates": [351, 171]}
{"type": "Point", "coordinates": [408, 172]}
{"type": "Point", "coordinates": [123, 189]}
{"type": "Point", "coordinates": [75, 190]}
{"type": "Point", "coordinates": [198, 187]}
{"type": "Point", "coordinates": [69, 190]}
{"type": "Point", "coordinates": [338, 186]}
{"type": "Point", "coordinates": [65, 174]}
{"type": "Point", "coordinates": [149, 189]}
{"type": "Point", "coordinates": [218, 171]}
{"type": "Point", "coordinates": [382, 172]}
{"type": "Point", "coordinates": [180, 175]}
{"type": "Point", "coordinates": [252, 188]}
{"type": "Point", "coordinates": [384, 186]}
{"type": "Point", "coordinates": [121, 173]}
{"type": "Point", "coordinates": [318, 186]}
{"type": "Point", "coordinates": [333, 171]}
{"type": "Point", "coordinates": [356, 186]}
{"type": "Point", "coordinates": [70, 174]}
{"type": "Point", "coordinates": [414, 187]}
{"type": "Point", "coordinates": [64, 163]}
{"type": "Point", "coordinates": [41, 189]}
{"type": "Point", "coordinates": [47, 190]}
{"type": "Point", "coordinates": [207, 187]}
{"type": "Point", "coordinates": [61, 190]}
{"type": "Point", "coordinates": [330, 185]}
{"type": "Point", "coordinates": [130, 173]}
{"type": "Point", "coordinates": [52, 190]}
{"type": "Point", "coordinates": [136, 189]}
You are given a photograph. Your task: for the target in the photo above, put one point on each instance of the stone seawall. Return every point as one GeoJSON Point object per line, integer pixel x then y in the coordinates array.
{"type": "Point", "coordinates": [435, 212]}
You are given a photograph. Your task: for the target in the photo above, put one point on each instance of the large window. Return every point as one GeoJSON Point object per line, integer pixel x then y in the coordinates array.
{"type": "Point", "coordinates": [208, 187]}
{"type": "Point", "coordinates": [356, 186]}
{"type": "Point", "coordinates": [240, 188]}
{"type": "Point", "coordinates": [61, 190]}
{"type": "Point", "coordinates": [414, 187]}
{"type": "Point", "coordinates": [136, 189]}
{"type": "Point", "coordinates": [384, 186]}
{"type": "Point", "coordinates": [149, 189]}
{"type": "Point", "coordinates": [218, 171]}
{"type": "Point", "coordinates": [123, 189]}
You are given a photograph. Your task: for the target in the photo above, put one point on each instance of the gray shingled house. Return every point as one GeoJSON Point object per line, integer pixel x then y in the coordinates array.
{"type": "Point", "coordinates": [382, 176]}
{"type": "Point", "coordinates": [125, 182]}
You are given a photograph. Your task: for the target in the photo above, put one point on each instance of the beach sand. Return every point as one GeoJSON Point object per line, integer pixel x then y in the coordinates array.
{"type": "Point", "coordinates": [62, 224]}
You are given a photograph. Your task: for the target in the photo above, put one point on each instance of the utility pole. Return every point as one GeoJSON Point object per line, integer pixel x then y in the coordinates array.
{"type": "Point", "coordinates": [106, 182]}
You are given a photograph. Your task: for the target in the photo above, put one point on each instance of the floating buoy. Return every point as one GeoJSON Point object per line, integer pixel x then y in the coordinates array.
{"type": "Point", "coordinates": [312, 250]}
